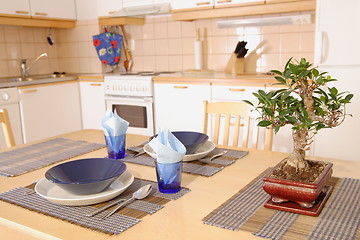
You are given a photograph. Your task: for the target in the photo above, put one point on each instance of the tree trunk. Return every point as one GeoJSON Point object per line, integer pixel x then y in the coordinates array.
{"type": "Point", "coordinates": [297, 158]}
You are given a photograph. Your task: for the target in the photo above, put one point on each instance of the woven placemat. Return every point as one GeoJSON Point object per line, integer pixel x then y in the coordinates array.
{"type": "Point", "coordinates": [340, 218]}
{"type": "Point", "coordinates": [123, 219]}
{"type": "Point", "coordinates": [35, 156]}
{"type": "Point", "coordinates": [199, 167]}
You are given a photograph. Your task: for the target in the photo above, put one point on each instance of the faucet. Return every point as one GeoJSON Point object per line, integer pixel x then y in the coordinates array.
{"type": "Point", "coordinates": [25, 69]}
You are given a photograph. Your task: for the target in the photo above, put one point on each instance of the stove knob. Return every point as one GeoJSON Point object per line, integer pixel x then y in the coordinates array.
{"type": "Point", "coordinates": [138, 88]}
{"type": "Point", "coordinates": [132, 88]}
{"type": "Point", "coordinates": [120, 88]}
{"type": "Point", "coordinates": [5, 96]}
{"type": "Point", "coordinates": [114, 87]}
{"type": "Point", "coordinates": [126, 88]}
{"type": "Point", "coordinates": [144, 89]}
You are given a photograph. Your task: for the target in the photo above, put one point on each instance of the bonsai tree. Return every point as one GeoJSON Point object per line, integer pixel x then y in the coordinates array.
{"type": "Point", "coordinates": [305, 103]}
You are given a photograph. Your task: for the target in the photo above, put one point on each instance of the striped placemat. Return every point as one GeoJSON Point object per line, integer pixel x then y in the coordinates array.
{"type": "Point", "coordinates": [35, 156]}
{"type": "Point", "coordinates": [199, 167]}
{"type": "Point", "coordinates": [340, 218]}
{"type": "Point", "coordinates": [123, 219]}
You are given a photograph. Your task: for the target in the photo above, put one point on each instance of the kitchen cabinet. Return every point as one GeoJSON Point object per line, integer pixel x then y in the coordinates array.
{"type": "Point", "coordinates": [177, 5]}
{"type": "Point", "coordinates": [20, 7]}
{"type": "Point", "coordinates": [336, 52]}
{"type": "Point", "coordinates": [183, 11]}
{"type": "Point", "coordinates": [92, 102]}
{"type": "Point", "coordinates": [333, 48]}
{"type": "Point", "coordinates": [108, 7]}
{"type": "Point", "coordinates": [48, 110]}
{"type": "Point", "coordinates": [180, 107]}
{"type": "Point", "coordinates": [233, 3]}
{"type": "Point", "coordinates": [53, 9]}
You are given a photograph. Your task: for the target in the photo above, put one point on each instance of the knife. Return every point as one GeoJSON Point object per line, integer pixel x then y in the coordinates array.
{"type": "Point", "coordinates": [104, 207]}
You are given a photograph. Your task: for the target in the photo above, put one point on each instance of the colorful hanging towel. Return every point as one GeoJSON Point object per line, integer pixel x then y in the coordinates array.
{"type": "Point", "coordinates": [108, 47]}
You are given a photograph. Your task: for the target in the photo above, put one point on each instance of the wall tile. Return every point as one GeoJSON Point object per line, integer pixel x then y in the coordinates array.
{"type": "Point", "coordinates": [27, 50]}
{"type": "Point", "coordinates": [307, 42]}
{"type": "Point", "coordinates": [148, 47]}
{"type": "Point", "coordinates": [175, 63]}
{"type": "Point", "coordinates": [2, 35]}
{"type": "Point", "coordinates": [161, 63]}
{"type": "Point", "coordinates": [13, 50]}
{"type": "Point", "coordinates": [188, 45]}
{"type": "Point", "coordinates": [160, 30]}
{"type": "Point", "coordinates": [26, 35]}
{"type": "Point", "coordinates": [188, 29]}
{"type": "Point", "coordinates": [188, 62]}
{"type": "Point", "coordinates": [175, 46]}
{"type": "Point", "coordinates": [3, 53]}
{"type": "Point", "coordinates": [161, 47]}
{"type": "Point", "coordinates": [289, 42]}
{"type": "Point", "coordinates": [148, 31]}
{"type": "Point", "coordinates": [174, 29]}
{"type": "Point", "coordinates": [11, 34]}
{"type": "Point", "coordinates": [4, 71]}
{"type": "Point", "coordinates": [218, 45]}
{"type": "Point", "coordinates": [13, 67]}
{"type": "Point", "coordinates": [271, 43]}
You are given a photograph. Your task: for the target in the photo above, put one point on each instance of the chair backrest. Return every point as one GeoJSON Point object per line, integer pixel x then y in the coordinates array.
{"type": "Point", "coordinates": [235, 120]}
{"type": "Point", "coordinates": [5, 122]}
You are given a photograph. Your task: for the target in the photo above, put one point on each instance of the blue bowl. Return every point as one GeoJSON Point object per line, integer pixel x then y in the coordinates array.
{"type": "Point", "coordinates": [191, 140]}
{"type": "Point", "coordinates": [86, 176]}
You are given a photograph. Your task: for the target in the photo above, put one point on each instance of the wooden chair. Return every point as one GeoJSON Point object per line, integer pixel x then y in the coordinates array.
{"type": "Point", "coordinates": [235, 119]}
{"type": "Point", "coordinates": [5, 122]}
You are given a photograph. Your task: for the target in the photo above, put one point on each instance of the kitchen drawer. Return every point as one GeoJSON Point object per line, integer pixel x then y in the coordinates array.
{"type": "Point", "coordinates": [234, 92]}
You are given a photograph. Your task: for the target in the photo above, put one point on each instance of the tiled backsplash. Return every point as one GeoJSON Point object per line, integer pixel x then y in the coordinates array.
{"type": "Point", "coordinates": [161, 44]}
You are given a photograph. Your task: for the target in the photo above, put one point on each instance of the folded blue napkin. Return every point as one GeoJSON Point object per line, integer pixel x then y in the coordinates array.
{"type": "Point", "coordinates": [114, 128]}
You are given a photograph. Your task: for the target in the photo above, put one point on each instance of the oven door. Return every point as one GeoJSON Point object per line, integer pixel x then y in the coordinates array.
{"type": "Point", "coordinates": [137, 111]}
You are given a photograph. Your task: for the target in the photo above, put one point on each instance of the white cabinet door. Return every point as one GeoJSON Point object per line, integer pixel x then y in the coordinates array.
{"type": "Point", "coordinates": [189, 4]}
{"type": "Point", "coordinates": [108, 7]}
{"type": "Point", "coordinates": [53, 8]}
{"type": "Point", "coordinates": [18, 7]}
{"type": "Point", "coordinates": [92, 104]}
{"type": "Point", "coordinates": [234, 93]}
{"type": "Point", "coordinates": [49, 110]}
{"type": "Point", "coordinates": [230, 3]}
{"type": "Point", "coordinates": [180, 107]}
{"type": "Point", "coordinates": [337, 35]}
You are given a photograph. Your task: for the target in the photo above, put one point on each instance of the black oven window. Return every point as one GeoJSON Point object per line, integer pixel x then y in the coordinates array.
{"type": "Point", "coordinates": [135, 115]}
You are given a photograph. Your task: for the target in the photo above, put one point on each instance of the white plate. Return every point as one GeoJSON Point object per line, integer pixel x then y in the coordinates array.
{"type": "Point", "coordinates": [57, 195]}
{"type": "Point", "coordinates": [203, 151]}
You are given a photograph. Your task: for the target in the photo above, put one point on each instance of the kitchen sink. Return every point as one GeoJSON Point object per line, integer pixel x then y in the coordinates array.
{"type": "Point", "coordinates": [34, 79]}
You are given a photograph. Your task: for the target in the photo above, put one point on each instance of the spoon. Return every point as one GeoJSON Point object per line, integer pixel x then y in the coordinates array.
{"type": "Point", "coordinates": [141, 193]}
{"type": "Point", "coordinates": [217, 155]}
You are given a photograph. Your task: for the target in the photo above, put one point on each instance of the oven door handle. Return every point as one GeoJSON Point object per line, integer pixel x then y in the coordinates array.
{"type": "Point", "coordinates": [133, 99]}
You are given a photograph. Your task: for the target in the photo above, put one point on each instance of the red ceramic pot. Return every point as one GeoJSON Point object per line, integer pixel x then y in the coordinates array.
{"type": "Point", "coordinates": [304, 194]}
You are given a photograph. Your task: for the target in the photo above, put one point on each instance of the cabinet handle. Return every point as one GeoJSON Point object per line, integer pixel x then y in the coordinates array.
{"type": "Point", "coordinates": [22, 12]}
{"type": "Point", "coordinates": [181, 87]}
{"type": "Point", "coordinates": [41, 14]}
{"type": "Point", "coordinates": [111, 12]}
{"type": "Point", "coordinates": [95, 84]}
{"type": "Point", "coordinates": [30, 91]}
{"type": "Point", "coordinates": [224, 1]}
{"type": "Point", "coordinates": [237, 89]}
{"type": "Point", "coordinates": [202, 3]}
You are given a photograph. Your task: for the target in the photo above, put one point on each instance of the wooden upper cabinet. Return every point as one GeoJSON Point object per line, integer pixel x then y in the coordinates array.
{"type": "Point", "coordinates": [108, 7]}
{"type": "Point", "coordinates": [186, 5]}
{"type": "Point", "coordinates": [235, 3]}
{"type": "Point", "coordinates": [19, 8]}
{"type": "Point", "coordinates": [53, 9]}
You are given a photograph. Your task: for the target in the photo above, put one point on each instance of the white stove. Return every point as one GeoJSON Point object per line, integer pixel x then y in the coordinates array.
{"type": "Point", "coordinates": [131, 95]}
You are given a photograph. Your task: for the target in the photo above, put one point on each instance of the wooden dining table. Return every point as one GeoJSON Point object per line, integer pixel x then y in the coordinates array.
{"type": "Point", "coordinates": [180, 219]}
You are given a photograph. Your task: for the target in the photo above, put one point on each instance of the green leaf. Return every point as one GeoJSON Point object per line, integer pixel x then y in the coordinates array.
{"type": "Point", "coordinates": [248, 102]}
{"type": "Point", "coordinates": [264, 123]}
{"type": "Point", "coordinates": [280, 79]}
{"type": "Point", "coordinates": [276, 72]}
{"type": "Point", "coordinates": [277, 128]}
{"type": "Point", "coordinates": [268, 111]}
{"type": "Point", "coordinates": [315, 72]}
{"type": "Point", "coordinates": [333, 91]}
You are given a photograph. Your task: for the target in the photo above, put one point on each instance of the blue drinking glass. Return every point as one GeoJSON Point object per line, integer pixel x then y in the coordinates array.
{"type": "Point", "coordinates": [169, 176]}
{"type": "Point", "coordinates": [115, 146]}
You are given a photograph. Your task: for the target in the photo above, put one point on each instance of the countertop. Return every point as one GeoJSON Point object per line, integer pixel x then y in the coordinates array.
{"type": "Point", "coordinates": [210, 77]}
{"type": "Point", "coordinates": [181, 219]}
{"type": "Point", "coordinates": [214, 78]}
